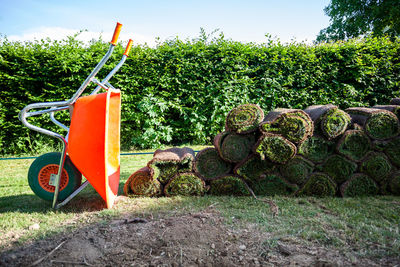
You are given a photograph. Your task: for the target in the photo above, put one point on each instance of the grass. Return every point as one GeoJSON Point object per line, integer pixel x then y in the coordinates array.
{"type": "Point", "coordinates": [366, 226]}
{"type": "Point", "coordinates": [20, 208]}
{"type": "Point", "coordinates": [369, 226]}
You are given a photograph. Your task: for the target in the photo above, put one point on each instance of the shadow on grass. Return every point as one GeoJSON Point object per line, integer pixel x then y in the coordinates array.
{"type": "Point", "coordinates": [26, 203]}
{"type": "Point", "coordinates": [86, 201]}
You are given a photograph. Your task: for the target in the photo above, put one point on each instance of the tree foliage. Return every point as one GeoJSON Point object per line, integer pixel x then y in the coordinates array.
{"type": "Point", "coordinates": [353, 18]}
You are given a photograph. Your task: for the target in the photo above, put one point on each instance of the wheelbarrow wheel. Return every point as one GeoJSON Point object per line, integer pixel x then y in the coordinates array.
{"type": "Point", "coordinates": [41, 170]}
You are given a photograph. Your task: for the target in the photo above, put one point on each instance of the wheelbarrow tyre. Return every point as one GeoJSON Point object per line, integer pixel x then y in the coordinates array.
{"type": "Point", "coordinates": [47, 164]}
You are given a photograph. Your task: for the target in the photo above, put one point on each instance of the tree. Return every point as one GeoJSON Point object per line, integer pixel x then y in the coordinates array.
{"type": "Point", "coordinates": [353, 18]}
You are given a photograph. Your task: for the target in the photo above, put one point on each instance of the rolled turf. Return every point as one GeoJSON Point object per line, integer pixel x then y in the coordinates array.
{"type": "Point", "coordinates": [253, 168]}
{"type": "Point", "coordinates": [329, 119]}
{"type": "Point", "coordinates": [359, 185]}
{"type": "Point", "coordinates": [379, 145]}
{"type": "Point", "coordinates": [379, 124]}
{"type": "Point", "coordinates": [377, 166]}
{"type": "Point", "coordinates": [293, 124]}
{"type": "Point", "coordinates": [316, 148]}
{"type": "Point", "coordinates": [354, 145]}
{"type": "Point", "coordinates": [272, 185]}
{"type": "Point", "coordinates": [275, 148]}
{"type": "Point", "coordinates": [185, 184]}
{"type": "Point", "coordinates": [208, 165]}
{"type": "Point", "coordinates": [319, 184]}
{"type": "Point", "coordinates": [142, 183]}
{"type": "Point", "coordinates": [395, 101]}
{"type": "Point", "coordinates": [395, 109]}
{"type": "Point", "coordinates": [244, 119]}
{"type": "Point", "coordinates": [166, 163]}
{"type": "Point", "coordinates": [392, 150]}
{"type": "Point", "coordinates": [234, 147]}
{"type": "Point", "coordinates": [229, 185]}
{"type": "Point", "coordinates": [297, 170]}
{"type": "Point", "coordinates": [339, 168]}
{"type": "Point", "coordinates": [394, 183]}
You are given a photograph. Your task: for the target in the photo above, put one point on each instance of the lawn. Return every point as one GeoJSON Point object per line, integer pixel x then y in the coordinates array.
{"type": "Point", "coordinates": [364, 227]}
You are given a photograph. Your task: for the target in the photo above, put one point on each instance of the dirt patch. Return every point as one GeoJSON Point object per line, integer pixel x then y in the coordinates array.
{"type": "Point", "coordinates": [195, 239]}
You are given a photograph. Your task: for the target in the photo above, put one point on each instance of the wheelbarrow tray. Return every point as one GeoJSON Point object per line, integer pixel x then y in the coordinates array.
{"type": "Point", "coordinates": [94, 141]}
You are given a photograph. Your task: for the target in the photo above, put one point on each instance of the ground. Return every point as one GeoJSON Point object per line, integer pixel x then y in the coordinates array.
{"type": "Point", "coordinates": [193, 239]}
{"type": "Point", "coordinates": [193, 231]}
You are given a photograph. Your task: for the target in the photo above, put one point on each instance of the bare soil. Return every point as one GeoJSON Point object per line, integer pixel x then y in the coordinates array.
{"type": "Point", "coordinates": [194, 239]}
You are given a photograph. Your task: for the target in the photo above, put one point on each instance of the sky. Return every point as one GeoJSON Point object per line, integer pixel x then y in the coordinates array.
{"type": "Point", "coordinates": [144, 21]}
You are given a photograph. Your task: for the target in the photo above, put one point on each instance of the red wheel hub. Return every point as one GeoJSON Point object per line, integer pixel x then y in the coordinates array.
{"type": "Point", "coordinates": [44, 177]}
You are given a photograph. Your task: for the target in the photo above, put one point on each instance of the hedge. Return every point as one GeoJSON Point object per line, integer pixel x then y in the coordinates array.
{"type": "Point", "coordinates": [180, 92]}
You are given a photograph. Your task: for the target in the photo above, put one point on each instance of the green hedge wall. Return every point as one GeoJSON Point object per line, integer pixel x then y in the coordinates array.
{"type": "Point", "coordinates": [181, 91]}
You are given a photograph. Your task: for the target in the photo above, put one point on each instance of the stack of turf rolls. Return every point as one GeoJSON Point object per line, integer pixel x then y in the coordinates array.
{"type": "Point", "coordinates": [246, 154]}
{"type": "Point", "coordinates": [319, 151]}
{"type": "Point", "coordinates": [169, 173]}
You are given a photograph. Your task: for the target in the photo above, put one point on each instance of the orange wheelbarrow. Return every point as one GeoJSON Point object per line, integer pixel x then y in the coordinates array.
{"type": "Point", "coordinates": [92, 145]}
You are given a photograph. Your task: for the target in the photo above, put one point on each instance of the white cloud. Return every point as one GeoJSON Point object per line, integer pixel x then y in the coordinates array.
{"type": "Point", "coordinates": [58, 33]}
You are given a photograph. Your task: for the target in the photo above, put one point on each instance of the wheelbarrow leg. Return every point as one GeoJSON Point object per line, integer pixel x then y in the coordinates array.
{"type": "Point", "coordinates": [72, 195]}
{"type": "Point", "coordinates": [55, 179]}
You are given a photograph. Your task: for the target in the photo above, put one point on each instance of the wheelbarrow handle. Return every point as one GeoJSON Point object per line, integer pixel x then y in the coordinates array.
{"type": "Point", "coordinates": [128, 48]}
{"type": "Point", "coordinates": [116, 34]}
{"type": "Point", "coordinates": [115, 69]}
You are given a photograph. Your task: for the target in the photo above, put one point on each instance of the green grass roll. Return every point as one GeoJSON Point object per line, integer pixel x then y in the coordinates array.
{"type": "Point", "coordinates": [319, 184]}
{"type": "Point", "coordinates": [272, 185]}
{"type": "Point", "coordinates": [359, 185]}
{"type": "Point", "coordinates": [354, 145]}
{"type": "Point", "coordinates": [234, 147]}
{"type": "Point", "coordinates": [329, 119]}
{"type": "Point", "coordinates": [379, 124]}
{"type": "Point", "coordinates": [208, 165]}
{"type": "Point", "coordinates": [293, 124]}
{"type": "Point", "coordinates": [166, 163]}
{"type": "Point", "coordinates": [297, 170]}
{"type": "Point", "coordinates": [316, 149]}
{"type": "Point", "coordinates": [229, 185]}
{"type": "Point", "coordinates": [394, 183]}
{"type": "Point", "coordinates": [275, 148]}
{"type": "Point", "coordinates": [185, 184]}
{"type": "Point", "coordinates": [253, 168]}
{"type": "Point", "coordinates": [395, 101]}
{"type": "Point", "coordinates": [392, 150]}
{"type": "Point", "coordinates": [164, 171]}
{"type": "Point", "coordinates": [395, 109]}
{"type": "Point", "coordinates": [339, 168]}
{"type": "Point", "coordinates": [244, 119]}
{"type": "Point", "coordinates": [377, 166]}
{"type": "Point", "coordinates": [142, 183]}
